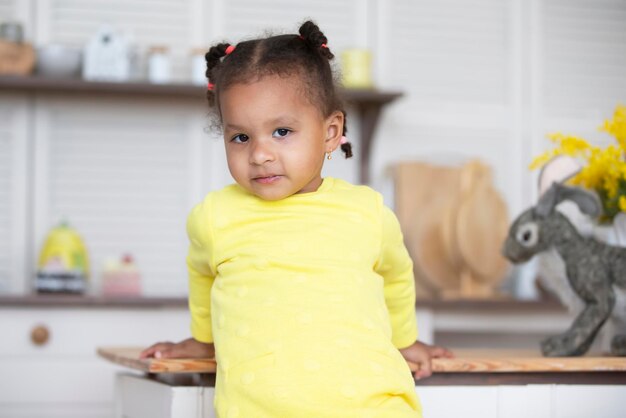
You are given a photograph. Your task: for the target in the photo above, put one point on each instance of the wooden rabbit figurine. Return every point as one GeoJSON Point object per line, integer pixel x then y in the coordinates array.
{"type": "Point", "coordinates": [595, 271]}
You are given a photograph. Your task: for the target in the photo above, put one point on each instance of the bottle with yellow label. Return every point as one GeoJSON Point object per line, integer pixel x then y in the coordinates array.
{"type": "Point", "coordinates": [63, 265]}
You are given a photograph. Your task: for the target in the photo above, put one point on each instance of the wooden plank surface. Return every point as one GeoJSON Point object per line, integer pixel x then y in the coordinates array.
{"type": "Point", "coordinates": [129, 357]}
{"type": "Point", "coordinates": [466, 361]}
{"type": "Point", "coordinates": [503, 361]}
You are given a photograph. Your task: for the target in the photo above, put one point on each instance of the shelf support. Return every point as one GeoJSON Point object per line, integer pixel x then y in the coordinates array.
{"type": "Point", "coordinates": [368, 110]}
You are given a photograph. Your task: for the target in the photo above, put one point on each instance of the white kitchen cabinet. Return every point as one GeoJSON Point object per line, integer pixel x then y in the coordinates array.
{"type": "Point", "coordinates": [138, 396]}
{"type": "Point", "coordinates": [64, 378]}
{"type": "Point", "coordinates": [537, 401]}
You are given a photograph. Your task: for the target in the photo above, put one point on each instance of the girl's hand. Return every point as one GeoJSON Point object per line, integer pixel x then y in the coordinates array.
{"type": "Point", "coordinates": [189, 348]}
{"type": "Point", "coordinates": [421, 354]}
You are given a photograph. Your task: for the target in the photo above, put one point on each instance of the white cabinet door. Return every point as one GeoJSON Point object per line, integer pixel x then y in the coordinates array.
{"type": "Point", "coordinates": [65, 378]}
{"type": "Point", "coordinates": [138, 397]}
{"type": "Point", "coordinates": [589, 401]}
{"type": "Point", "coordinates": [537, 401]}
{"type": "Point", "coordinates": [458, 401]}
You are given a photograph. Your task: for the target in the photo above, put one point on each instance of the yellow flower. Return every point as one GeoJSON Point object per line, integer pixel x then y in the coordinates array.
{"type": "Point", "coordinates": [617, 126]}
{"type": "Point", "coordinates": [605, 168]}
{"type": "Point", "coordinates": [567, 145]}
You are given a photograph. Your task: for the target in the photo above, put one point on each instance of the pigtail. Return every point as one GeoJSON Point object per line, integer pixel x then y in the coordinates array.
{"type": "Point", "coordinates": [346, 147]}
{"type": "Point", "coordinates": [213, 59]}
{"type": "Point", "coordinates": [315, 38]}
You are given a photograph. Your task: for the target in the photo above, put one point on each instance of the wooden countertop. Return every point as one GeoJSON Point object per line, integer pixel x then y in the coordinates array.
{"type": "Point", "coordinates": [94, 301]}
{"type": "Point", "coordinates": [466, 361]}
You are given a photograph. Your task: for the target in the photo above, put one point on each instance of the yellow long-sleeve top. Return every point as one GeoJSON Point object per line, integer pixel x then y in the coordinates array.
{"type": "Point", "coordinates": [307, 301]}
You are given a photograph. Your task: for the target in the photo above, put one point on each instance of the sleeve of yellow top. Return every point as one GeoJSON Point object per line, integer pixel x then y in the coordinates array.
{"type": "Point", "coordinates": [396, 267]}
{"type": "Point", "coordinates": [201, 273]}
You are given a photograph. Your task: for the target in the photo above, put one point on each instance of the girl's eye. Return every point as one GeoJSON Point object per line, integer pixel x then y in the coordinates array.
{"type": "Point", "coordinates": [281, 132]}
{"type": "Point", "coordinates": [241, 138]}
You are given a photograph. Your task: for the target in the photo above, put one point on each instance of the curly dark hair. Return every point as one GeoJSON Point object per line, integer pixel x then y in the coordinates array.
{"type": "Point", "coordinates": [305, 55]}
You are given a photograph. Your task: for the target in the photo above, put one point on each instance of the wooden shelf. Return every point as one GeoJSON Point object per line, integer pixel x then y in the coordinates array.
{"type": "Point", "coordinates": [68, 300]}
{"type": "Point", "coordinates": [478, 367]}
{"type": "Point", "coordinates": [495, 306]}
{"type": "Point", "coordinates": [368, 103]}
{"type": "Point", "coordinates": [83, 301]}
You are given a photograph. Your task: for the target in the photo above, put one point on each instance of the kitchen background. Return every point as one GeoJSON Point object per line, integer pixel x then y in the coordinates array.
{"type": "Point", "coordinates": [484, 79]}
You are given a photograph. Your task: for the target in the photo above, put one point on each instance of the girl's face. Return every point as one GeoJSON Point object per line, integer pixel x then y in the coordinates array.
{"type": "Point", "coordinates": [275, 138]}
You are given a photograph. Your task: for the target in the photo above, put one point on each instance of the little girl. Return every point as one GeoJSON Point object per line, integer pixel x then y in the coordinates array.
{"type": "Point", "coordinates": [300, 285]}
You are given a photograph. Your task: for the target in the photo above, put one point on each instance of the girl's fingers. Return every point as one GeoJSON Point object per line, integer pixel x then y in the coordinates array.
{"type": "Point", "coordinates": [447, 353]}
{"type": "Point", "coordinates": [148, 352]}
{"type": "Point", "coordinates": [437, 351]}
{"type": "Point", "coordinates": [189, 348]}
{"type": "Point", "coordinates": [424, 369]}
{"type": "Point", "coordinates": [420, 374]}
{"type": "Point", "coordinates": [174, 351]}
{"type": "Point", "coordinates": [153, 350]}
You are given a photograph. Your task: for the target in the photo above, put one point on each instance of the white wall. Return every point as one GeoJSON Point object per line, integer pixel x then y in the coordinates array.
{"type": "Point", "coordinates": [482, 79]}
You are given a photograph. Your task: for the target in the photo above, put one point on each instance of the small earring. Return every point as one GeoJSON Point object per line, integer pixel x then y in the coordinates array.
{"type": "Point", "coordinates": [329, 155]}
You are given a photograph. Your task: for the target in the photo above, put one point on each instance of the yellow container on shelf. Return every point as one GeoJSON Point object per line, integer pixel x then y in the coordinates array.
{"type": "Point", "coordinates": [356, 68]}
{"type": "Point", "coordinates": [63, 265]}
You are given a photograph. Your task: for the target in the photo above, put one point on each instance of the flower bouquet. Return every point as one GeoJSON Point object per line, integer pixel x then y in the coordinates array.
{"type": "Point", "coordinates": [603, 170]}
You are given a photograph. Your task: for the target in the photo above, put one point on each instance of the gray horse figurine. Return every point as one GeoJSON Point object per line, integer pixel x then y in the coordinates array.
{"type": "Point", "coordinates": [595, 271]}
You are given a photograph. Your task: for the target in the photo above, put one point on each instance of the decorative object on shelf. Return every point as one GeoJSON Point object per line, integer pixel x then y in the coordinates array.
{"type": "Point", "coordinates": [454, 222]}
{"type": "Point", "coordinates": [619, 229]}
{"type": "Point", "coordinates": [59, 61]}
{"type": "Point", "coordinates": [121, 277]}
{"type": "Point", "coordinates": [16, 56]}
{"type": "Point", "coordinates": [603, 169]}
{"type": "Point", "coordinates": [356, 69]}
{"type": "Point", "coordinates": [550, 269]}
{"type": "Point", "coordinates": [595, 271]}
{"type": "Point", "coordinates": [12, 32]}
{"type": "Point", "coordinates": [108, 56]}
{"type": "Point", "coordinates": [159, 65]}
{"type": "Point", "coordinates": [63, 262]}
{"type": "Point", "coordinates": [16, 59]}
{"type": "Point", "coordinates": [559, 169]}
{"type": "Point", "coordinates": [198, 66]}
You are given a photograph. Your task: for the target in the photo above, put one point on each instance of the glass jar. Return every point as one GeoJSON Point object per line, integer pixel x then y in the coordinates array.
{"type": "Point", "coordinates": [159, 65]}
{"type": "Point", "coordinates": [198, 66]}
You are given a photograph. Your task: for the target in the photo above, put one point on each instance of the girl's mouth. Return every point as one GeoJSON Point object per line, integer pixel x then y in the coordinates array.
{"type": "Point", "coordinates": [267, 179]}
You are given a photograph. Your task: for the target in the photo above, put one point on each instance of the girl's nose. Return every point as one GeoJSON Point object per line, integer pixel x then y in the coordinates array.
{"type": "Point", "coordinates": [261, 153]}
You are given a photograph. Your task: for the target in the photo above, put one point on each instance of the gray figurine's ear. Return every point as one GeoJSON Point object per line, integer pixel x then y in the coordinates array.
{"type": "Point", "coordinates": [547, 201]}
{"type": "Point", "coordinates": [587, 201]}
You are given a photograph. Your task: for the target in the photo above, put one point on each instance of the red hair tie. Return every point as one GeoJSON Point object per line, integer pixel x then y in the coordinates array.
{"type": "Point", "coordinates": [229, 49]}
{"type": "Point", "coordinates": [323, 45]}
{"type": "Point", "coordinates": [210, 86]}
